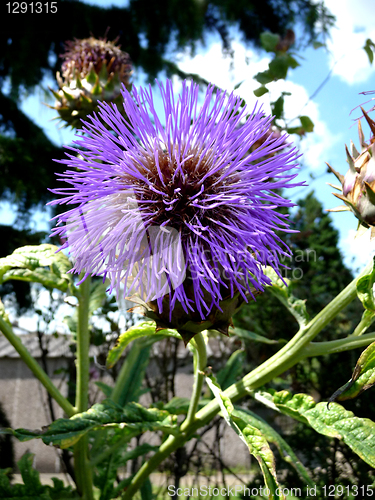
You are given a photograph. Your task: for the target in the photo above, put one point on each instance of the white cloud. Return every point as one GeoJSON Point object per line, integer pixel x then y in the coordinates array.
{"type": "Point", "coordinates": [226, 73]}
{"type": "Point", "coordinates": [357, 250]}
{"type": "Point", "coordinates": [355, 22]}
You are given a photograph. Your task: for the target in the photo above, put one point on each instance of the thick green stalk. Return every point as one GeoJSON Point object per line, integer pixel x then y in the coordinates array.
{"type": "Point", "coordinates": [200, 363]}
{"type": "Point", "coordinates": [83, 345]}
{"type": "Point", "coordinates": [284, 359]}
{"type": "Point", "coordinates": [174, 442]}
{"type": "Point", "coordinates": [82, 465]}
{"type": "Point", "coordinates": [83, 469]}
{"type": "Point", "coordinates": [321, 348]}
{"type": "Point", "coordinates": [37, 370]}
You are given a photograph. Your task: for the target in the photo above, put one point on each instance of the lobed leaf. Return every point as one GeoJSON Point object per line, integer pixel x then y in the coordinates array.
{"type": "Point", "coordinates": [145, 329]}
{"type": "Point", "coordinates": [251, 436]}
{"type": "Point", "coordinates": [274, 437]}
{"type": "Point", "coordinates": [32, 488]}
{"type": "Point", "coordinates": [333, 421]}
{"type": "Point", "coordinates": [247, 335]}
{"type": "Point", "coordinates": [38, 264]}
{"type": "Point", "coordinates": [132, 418]}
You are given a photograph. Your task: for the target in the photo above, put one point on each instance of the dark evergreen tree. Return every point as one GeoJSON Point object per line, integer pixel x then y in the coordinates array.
{"type": "Point", "coordinates": [152, 33]}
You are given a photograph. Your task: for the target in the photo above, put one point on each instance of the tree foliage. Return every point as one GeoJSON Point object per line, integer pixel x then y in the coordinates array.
{"type": "Point", "coordinates": [151, 33]}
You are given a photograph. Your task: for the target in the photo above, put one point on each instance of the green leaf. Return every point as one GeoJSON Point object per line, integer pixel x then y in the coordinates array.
{"type": "Point", "coordinates": [279, 66]}
{"type": "Point", "coordinates": [260, 91]}
{"type": "Point", "coordinates": [232, 370]}
{"type": "Point", "coordinates": [278, 107]}
{"type": "Point", "coordinates": [279, 288]}
{"type": "Point", "coordinates": [369, 53]}
{"type": "Point", "coordinates": [180, 406]}
{"type": "Point", "coordinates": [238, 85]}
{"type": "Point", "coordinates": [251, 436]}
{"type": "Point", "coordinates": [292, 62]}
{"type": "Point", "coordinates": [335, 421]}
{"type": "Point", "coordinates": [264, 77]}
{"type": "Point", "coordinates": [105, 388]}
{"type": "Point", "coordinates": [369, 49]}
{"type": "Point", "coordinates": [32, 488]}
{"type": "Point", "coordinates": [318, 45]}
{"type": "Point", "coordinates": [307, 123]}
{"type": "Point", "coordinates": [365, 294]}
{"type": "Point", "coordinates": [136, 363]}
{"type": "Point", "coordinates": [38, 264]}
{"type": "Point", "coordinates": [273, 437]}
{"type": "Point", "coordinates": [365, 290]}
{"type": "Point", "coordinates": [362, 379]}
{"type": "Point", "coordinates": [146, 490]}
{"type": "Point", "coordinates": [145, 329]}
{"type": "Point", "coordinates": [132, 418]}
{"type": "Point", "coordinates": [269, 41]}
{"type": "Point", "coordinates": [247, 335]}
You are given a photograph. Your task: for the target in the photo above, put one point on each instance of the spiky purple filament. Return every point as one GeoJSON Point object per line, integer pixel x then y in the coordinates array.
{"type": "Point", "coordinates": [194, 180]}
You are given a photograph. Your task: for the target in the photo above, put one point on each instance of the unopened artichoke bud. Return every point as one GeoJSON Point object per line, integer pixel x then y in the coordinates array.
{"type": "Point", "coordinates": [358, 185]}
{"type": "Point", "coordinates": [93, 70]}
{"type": "Point", "coordinates": [190, 323]}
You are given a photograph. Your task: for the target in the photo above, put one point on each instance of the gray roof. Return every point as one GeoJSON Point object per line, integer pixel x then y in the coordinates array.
{"type": "Point", "coordinates": [57, 346]}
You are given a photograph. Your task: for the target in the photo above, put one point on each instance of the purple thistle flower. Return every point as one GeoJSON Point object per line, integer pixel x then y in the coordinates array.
{"type": "Point", "coordinates": [184, 215]}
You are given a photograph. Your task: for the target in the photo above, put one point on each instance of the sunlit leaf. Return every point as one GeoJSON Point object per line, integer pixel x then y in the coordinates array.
{"type": "Point", "coordinates": [251, 436]}
{"type": "Point", "coordinates": [145, 329]}
{"type": "Point", "coordinates": [274, 437]}
{"type": "Point", "coordinates": [335, 421]}
{"type": "Point", "coordinates": [38, 264]}
{"type": "Point", "coordinates": [133, 418]}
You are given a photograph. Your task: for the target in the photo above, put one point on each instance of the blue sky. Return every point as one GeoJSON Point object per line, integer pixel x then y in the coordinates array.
{"type": "Point", "coordinates": [330, 109]}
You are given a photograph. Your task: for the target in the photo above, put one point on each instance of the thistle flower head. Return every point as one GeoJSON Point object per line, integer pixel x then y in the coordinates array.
{"type": "Point", "coordinates": [181, 215]}
{"type": "Point", "coordinates": [358, 184]}
{"type": "Point", "coordinates": [92, 70]}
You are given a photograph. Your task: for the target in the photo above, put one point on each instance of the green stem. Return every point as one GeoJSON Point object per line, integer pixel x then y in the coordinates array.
{"type": "Point", "coordinates": [83, 345]}
{"type": "Point", "coordinates": [321, 348]}
{"type": "Point", "coordinates": [83, 469]}
{"type": "Point", "coordinates": [284, 359]}
{"type": "Point", "coordinates": [368, 318]}
{"type": "Point", "coordinates": [36, 369]}
{"type": "Point", "coordinates": [173, 442]}
{"type": "Point", "coordinates": [200, 363]}
{"type": "Point", "coordinates": [82, 465]}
